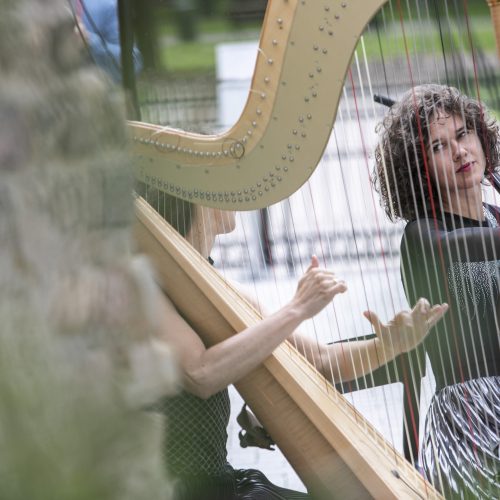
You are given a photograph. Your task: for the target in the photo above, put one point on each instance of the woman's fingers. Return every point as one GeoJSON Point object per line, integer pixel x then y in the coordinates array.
{"type": "Point", "coordinates": [423, 306]}
{"type": "Point", "coordinates": [436, 313]}
{"type": "Point", "coordinates": [328, 284]}
{"type": "Point", "coordinates": [403, 319]}
{"type": "Point", "coordinates": [336, 288]}
{"type": "Point", "coordinates": [374, 320]}
{"type": "Point", "coordinates": [317, 287]}
{"type": "Point", "coordinates": [423, 313]}
{"type": "Point", "coordinates": [314, 263]}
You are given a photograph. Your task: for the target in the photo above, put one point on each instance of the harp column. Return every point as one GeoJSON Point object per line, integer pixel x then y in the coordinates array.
{"type": "Point", "coordinates": [495, 17]}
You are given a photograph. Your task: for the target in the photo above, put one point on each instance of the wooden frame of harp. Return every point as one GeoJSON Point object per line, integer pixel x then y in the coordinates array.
{"type": "Point", "coordinates": [265, 157]}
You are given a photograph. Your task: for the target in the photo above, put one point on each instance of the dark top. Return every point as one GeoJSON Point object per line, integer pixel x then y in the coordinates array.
{"type": "Point", "coordinates": [457, 260]}
{"type": "Point", "coordinates": [196, 436]}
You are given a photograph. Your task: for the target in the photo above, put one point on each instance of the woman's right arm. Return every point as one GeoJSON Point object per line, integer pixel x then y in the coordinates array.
{"type": "Point", "coordinates": [206, 371]}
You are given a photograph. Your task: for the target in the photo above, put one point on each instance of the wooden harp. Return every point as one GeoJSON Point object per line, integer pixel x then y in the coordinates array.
{"type": "Point", "coordinates": [265, 157]}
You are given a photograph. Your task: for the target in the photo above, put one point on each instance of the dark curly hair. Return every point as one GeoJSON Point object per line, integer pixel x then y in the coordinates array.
{"type": "Point", "coordinates": [399, 174]}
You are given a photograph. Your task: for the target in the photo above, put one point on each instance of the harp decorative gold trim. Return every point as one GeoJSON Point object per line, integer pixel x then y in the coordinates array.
{"type": "Point", "coordinates": [333, 449]}
{"type": "Point", "coordinates": [304, 52]}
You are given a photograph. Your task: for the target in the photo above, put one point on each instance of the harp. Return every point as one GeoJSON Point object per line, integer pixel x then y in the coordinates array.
{"type": "Point", "coordinates": [270, 152]}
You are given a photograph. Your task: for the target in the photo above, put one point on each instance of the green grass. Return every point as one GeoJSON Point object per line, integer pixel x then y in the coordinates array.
{"type": "Point", "coordinates": [189, 57]}
{"type": "Point", "coordinates": [392, 42]}
{"type": "Point", "coordinates": [199, 56]}
{"type": "Point", "coordinates": [211, 25]}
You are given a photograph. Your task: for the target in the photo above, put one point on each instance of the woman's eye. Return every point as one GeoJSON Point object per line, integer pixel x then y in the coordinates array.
{"type": "Point", "coordinates": [437, 147]}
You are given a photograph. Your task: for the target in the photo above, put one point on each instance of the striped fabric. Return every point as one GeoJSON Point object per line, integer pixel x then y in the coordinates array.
{"type": "Point", "coordinates": [461, 448]}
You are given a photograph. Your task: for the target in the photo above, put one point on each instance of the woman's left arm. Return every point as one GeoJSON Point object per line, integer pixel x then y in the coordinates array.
{"type": "Point", "coordinates": [344, 361]}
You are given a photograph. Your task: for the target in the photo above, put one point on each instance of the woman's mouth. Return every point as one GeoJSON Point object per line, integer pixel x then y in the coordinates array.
{"type": "Point", "coordinates": [466, 167]}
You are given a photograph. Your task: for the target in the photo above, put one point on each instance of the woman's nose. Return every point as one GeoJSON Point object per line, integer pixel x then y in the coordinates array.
{"type": "Point", "coordinates": [458, 150]}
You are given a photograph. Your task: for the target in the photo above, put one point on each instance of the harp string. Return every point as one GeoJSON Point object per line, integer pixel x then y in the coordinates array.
{"type": "Point", "coordinates": [465, 328]}
{"type": "Point", "coordinates": [292, 223]}
{"type": "Point", "coordinates": [354, 413]}
{"type": "Point", "coordinates": [344, 263]}
{"type": "Point", "coordinates": [404, 377]}
{"type": "Point", "coordinates": [316, 224]}
{"type": "Point", "coordinates": [420, 140]}
{"type": "Point", "coordinates": [448, 349]}
{"type": "Point", "coordinates": [483, 242]}
{"type": "Point", "coordinates": [414, 378]}
{"type": "Point", "coordinates": [411, 379]}
{"type": "Point", "coordinates": [368, 105]}
{"type": "Point", "coordinates": [410, 71]}
{"type": "Point", "coordinates": [428, 268]}
{"type": "Point", "coordinates": [307, 203]}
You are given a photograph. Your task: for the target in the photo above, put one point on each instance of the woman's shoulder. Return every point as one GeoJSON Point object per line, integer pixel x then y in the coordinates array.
{"type": "Point", "coordinates": [422, 226]}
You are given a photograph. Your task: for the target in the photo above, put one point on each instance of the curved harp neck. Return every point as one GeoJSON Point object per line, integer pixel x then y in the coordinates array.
{"type": "Point", "coordinates": [304, 53]}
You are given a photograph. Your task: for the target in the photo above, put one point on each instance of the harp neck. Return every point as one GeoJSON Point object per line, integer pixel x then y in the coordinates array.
{"type": "Point", "coordinates": [495, 17]}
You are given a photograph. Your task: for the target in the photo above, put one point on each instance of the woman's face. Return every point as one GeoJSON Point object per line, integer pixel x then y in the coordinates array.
{"type": "Point", "coordinates": [455, 154]}
{"type": "Point", "coordinates": [225, 220]}
{"type": "Point", "coordinates": [216, 220]}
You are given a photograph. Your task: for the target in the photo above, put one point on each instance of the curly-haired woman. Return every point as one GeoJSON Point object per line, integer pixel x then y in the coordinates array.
{"type": "Point", "coordinates": [436, 148]}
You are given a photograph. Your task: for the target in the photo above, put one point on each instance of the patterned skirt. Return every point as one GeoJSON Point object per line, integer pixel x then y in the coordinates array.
{"type": "Point", "coordinates": [460, 452]}
{"type": "Point", "coordinates": [245, 484]}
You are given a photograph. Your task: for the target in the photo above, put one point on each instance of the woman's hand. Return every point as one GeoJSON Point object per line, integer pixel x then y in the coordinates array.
{"type": "Point", "coordinates": [407, 329]}
{"type": "Point", "coordinates": [316, 289]}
